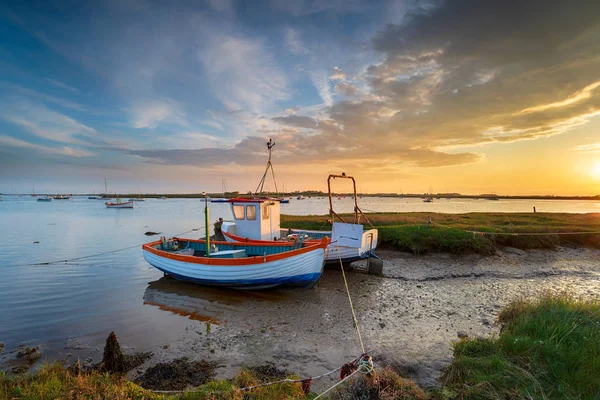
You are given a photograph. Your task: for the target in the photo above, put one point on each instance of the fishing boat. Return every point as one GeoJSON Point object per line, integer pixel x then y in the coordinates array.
{"type": "Point", "coordinates": [45, 199]}
{"type": "Point", "coordinates": [238, 265]}
{"type": "Point", "coordinates": [428, 199]}
{"type": "Point", "coordinates": [92, 197]}
{"type": "Point", "coordinates": [62, 197]}
{"type": "Point", "coordinates": [258, 221]}
{"type": "Point", "coordinates": [301, 197]}
{"type": "Point", "coordinates": [162, 198]}
{"type": "Point", "coordinates": [119, 204]}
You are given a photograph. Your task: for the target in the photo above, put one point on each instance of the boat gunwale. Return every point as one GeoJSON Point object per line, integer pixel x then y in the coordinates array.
{"type": "Point", "coordinates": [234, 262]}
{"type": "Point", "coordinates": [240, 239]}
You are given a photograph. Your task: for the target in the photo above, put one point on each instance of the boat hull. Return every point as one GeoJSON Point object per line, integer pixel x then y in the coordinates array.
{"type": "Point", "coordinates": [127, 204]}
{"type": "Point", "coordinates": [295, 268]}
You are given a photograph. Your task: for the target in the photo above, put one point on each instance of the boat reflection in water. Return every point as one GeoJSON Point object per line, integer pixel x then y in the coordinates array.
{"type": "Point", "coordinates": [205, 304]}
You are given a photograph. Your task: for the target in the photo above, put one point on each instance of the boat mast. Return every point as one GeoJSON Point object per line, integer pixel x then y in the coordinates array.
{"type": "Point", "coordinates": [270, 145]}
{"type": "Point", "coordinates": [105, 189]}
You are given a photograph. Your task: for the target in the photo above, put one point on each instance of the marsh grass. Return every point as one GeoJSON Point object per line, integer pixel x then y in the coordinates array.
{"type": "Point", "coordinates": [549, 348]}
{"type": "Point", "coordinates": [450, 232]}
{"type": "Point", "coordinates": [54, 381]}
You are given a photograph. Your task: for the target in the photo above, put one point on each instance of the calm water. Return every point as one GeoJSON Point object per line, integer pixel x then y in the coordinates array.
{"type": "Point", "coordinates": [86, 299]}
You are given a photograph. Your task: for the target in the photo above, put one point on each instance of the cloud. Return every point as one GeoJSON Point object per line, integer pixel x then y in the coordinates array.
{"type": "Point", "coordinates": [346, 89]}
{"type": "Point", "coordinates": [63, 85]}
{"type": "Point", "coordinates": [253, 79]}
{"type": "Point", "coordinates": [149, 114]}
{"type": "Point", "coordinates": [299, 121]}
{"type": "Point", "coordinates": [588, 148]}
{"type": "Point", "coordinates": [337, 74]}
{"type": "Point", "coordinates": [47, 124]}
{"type": "Point", "coordinates": [294, 43]}
{"type": "Point", "coordinates": [319, 79]}
{"type": "Point", "coordinates": [583, 94]}
{"type": "Point", "coordinates": [450, 76]}
{"type": "Point", "coordinates": [62, 151]}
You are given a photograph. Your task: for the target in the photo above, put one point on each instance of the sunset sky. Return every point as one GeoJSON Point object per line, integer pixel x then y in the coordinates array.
{"type": "Point", "coordinates": [460, 96]}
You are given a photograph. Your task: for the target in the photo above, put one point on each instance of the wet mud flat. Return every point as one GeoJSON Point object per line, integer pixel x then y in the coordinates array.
{"type": "Point", "coordinates": [408, 317]}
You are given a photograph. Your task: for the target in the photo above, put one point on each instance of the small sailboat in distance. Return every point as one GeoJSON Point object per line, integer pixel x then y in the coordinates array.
{"type": "Point", "coordinates": [223, 190]}
{"type": "Point", "coordinates": [119, 204]}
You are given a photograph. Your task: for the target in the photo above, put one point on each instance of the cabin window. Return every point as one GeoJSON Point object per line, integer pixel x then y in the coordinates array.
{"type": "Point", "coordinates": [251, 213]}
{"type": "Point", "coordinates": [238, 212]}
{"type": "Point", "coordinates": [265, 211]}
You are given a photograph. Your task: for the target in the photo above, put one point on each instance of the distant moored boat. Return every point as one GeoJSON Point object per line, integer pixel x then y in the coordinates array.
{"type": "Point", "coordinates": [120, 204]}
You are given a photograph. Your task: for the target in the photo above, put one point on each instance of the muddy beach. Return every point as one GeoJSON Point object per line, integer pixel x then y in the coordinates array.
{"type": "Point", "coordinates": [408, 317]}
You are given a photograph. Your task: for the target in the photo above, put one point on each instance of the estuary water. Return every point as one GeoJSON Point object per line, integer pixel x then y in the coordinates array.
{"type": "Point", "coordinates": [70, 307]}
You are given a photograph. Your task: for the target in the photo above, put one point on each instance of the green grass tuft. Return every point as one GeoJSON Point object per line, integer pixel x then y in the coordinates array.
{"type": "Point", "coordinates": [549, 348]}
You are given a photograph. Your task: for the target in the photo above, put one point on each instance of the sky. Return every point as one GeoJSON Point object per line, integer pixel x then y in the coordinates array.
{"type": "Point", "coordinates": [408, 96]}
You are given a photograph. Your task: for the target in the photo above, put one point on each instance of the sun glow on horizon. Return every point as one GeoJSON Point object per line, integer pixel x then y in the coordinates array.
{"type": "Point", "coordinates": [596, 170]}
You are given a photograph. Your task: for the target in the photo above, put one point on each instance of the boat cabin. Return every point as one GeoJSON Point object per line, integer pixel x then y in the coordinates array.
{"type": "Point", "coordinates": [257, 219]}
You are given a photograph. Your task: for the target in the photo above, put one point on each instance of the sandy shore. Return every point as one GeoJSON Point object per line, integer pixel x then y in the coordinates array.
{"type": "Point", "coordinates": [408, 318]}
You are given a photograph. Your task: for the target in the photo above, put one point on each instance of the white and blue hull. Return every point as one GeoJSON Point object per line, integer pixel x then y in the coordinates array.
{"type": "Point", "coordinates": [300, 270]}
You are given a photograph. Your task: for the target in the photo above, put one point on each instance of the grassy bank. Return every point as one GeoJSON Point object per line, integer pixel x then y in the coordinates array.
{"type": "Point", "coordinates": [548, 349]}
{"type": "Point", "coordinates": [451, 232]}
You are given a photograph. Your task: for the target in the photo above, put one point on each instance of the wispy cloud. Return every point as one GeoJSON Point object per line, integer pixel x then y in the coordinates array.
{"type": "Point", "coordinates": [337, 74]}
{"type": "Point", "coordinates": [294, 43]}
{"type": "Point", "coordinates": [243, 74]}
{"type": "Point", "coordinates": [47, 124]}
{"type": "Point", "coordinates": [319, 79]}
{"type": "Point", "coordinates": [578, 96]}
{"type": "Point", "coordinates": [62, 85]}
{"type": "Point", "coordinates": [588, 148]}
{"type": "Point", "coordinates": [149, 114]}
{"type": "Point", "coordinates": [61, 151]}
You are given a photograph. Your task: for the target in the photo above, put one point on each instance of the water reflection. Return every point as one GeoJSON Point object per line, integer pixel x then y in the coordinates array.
{"type": "Point", "coordinates": [217, 305]}
{"type": "Point", "coordinates": [201, 303]}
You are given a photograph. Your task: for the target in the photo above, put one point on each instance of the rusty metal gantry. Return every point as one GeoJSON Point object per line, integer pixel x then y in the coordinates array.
{"type": "Point", "coordinates": [357, 211]}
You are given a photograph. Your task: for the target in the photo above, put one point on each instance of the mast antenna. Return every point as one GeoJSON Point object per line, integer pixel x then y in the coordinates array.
{"type": "Point", "coordinates": [261, 184]}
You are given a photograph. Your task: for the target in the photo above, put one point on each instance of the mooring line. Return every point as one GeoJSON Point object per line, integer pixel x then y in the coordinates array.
{"type": "Point", "coordinates": [91, 255]}
{"type": "Point", "coordinates": [272, 383]}
{"type": "Point", "coordinates": [362, 346]}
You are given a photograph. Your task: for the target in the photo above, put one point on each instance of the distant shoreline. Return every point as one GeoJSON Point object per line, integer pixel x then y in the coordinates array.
{"type": "Point", "coordinates": [309, 194]}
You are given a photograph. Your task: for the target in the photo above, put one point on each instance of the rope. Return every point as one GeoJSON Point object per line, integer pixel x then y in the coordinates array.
{"type": "Point", "coordinates": [365, 366]}
{"type": "Point", "coordinates": [91, 255]}
{"type": "Point", "coordinates": [279, 381]}
{"type": "Point", "coordinates": [362, 346]}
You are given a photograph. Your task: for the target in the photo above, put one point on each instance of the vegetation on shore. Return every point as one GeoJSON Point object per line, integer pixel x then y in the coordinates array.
{"type": "Point", "coordinates": [548, 348]}
{"type": "Point", "coordinates": [454, 232]}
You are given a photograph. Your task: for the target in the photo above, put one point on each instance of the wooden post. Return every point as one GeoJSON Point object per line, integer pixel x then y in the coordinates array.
{"type": "Point", "coordinates": [206, 225]}
{"type": "Point", "coordinates": [534, 209]}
